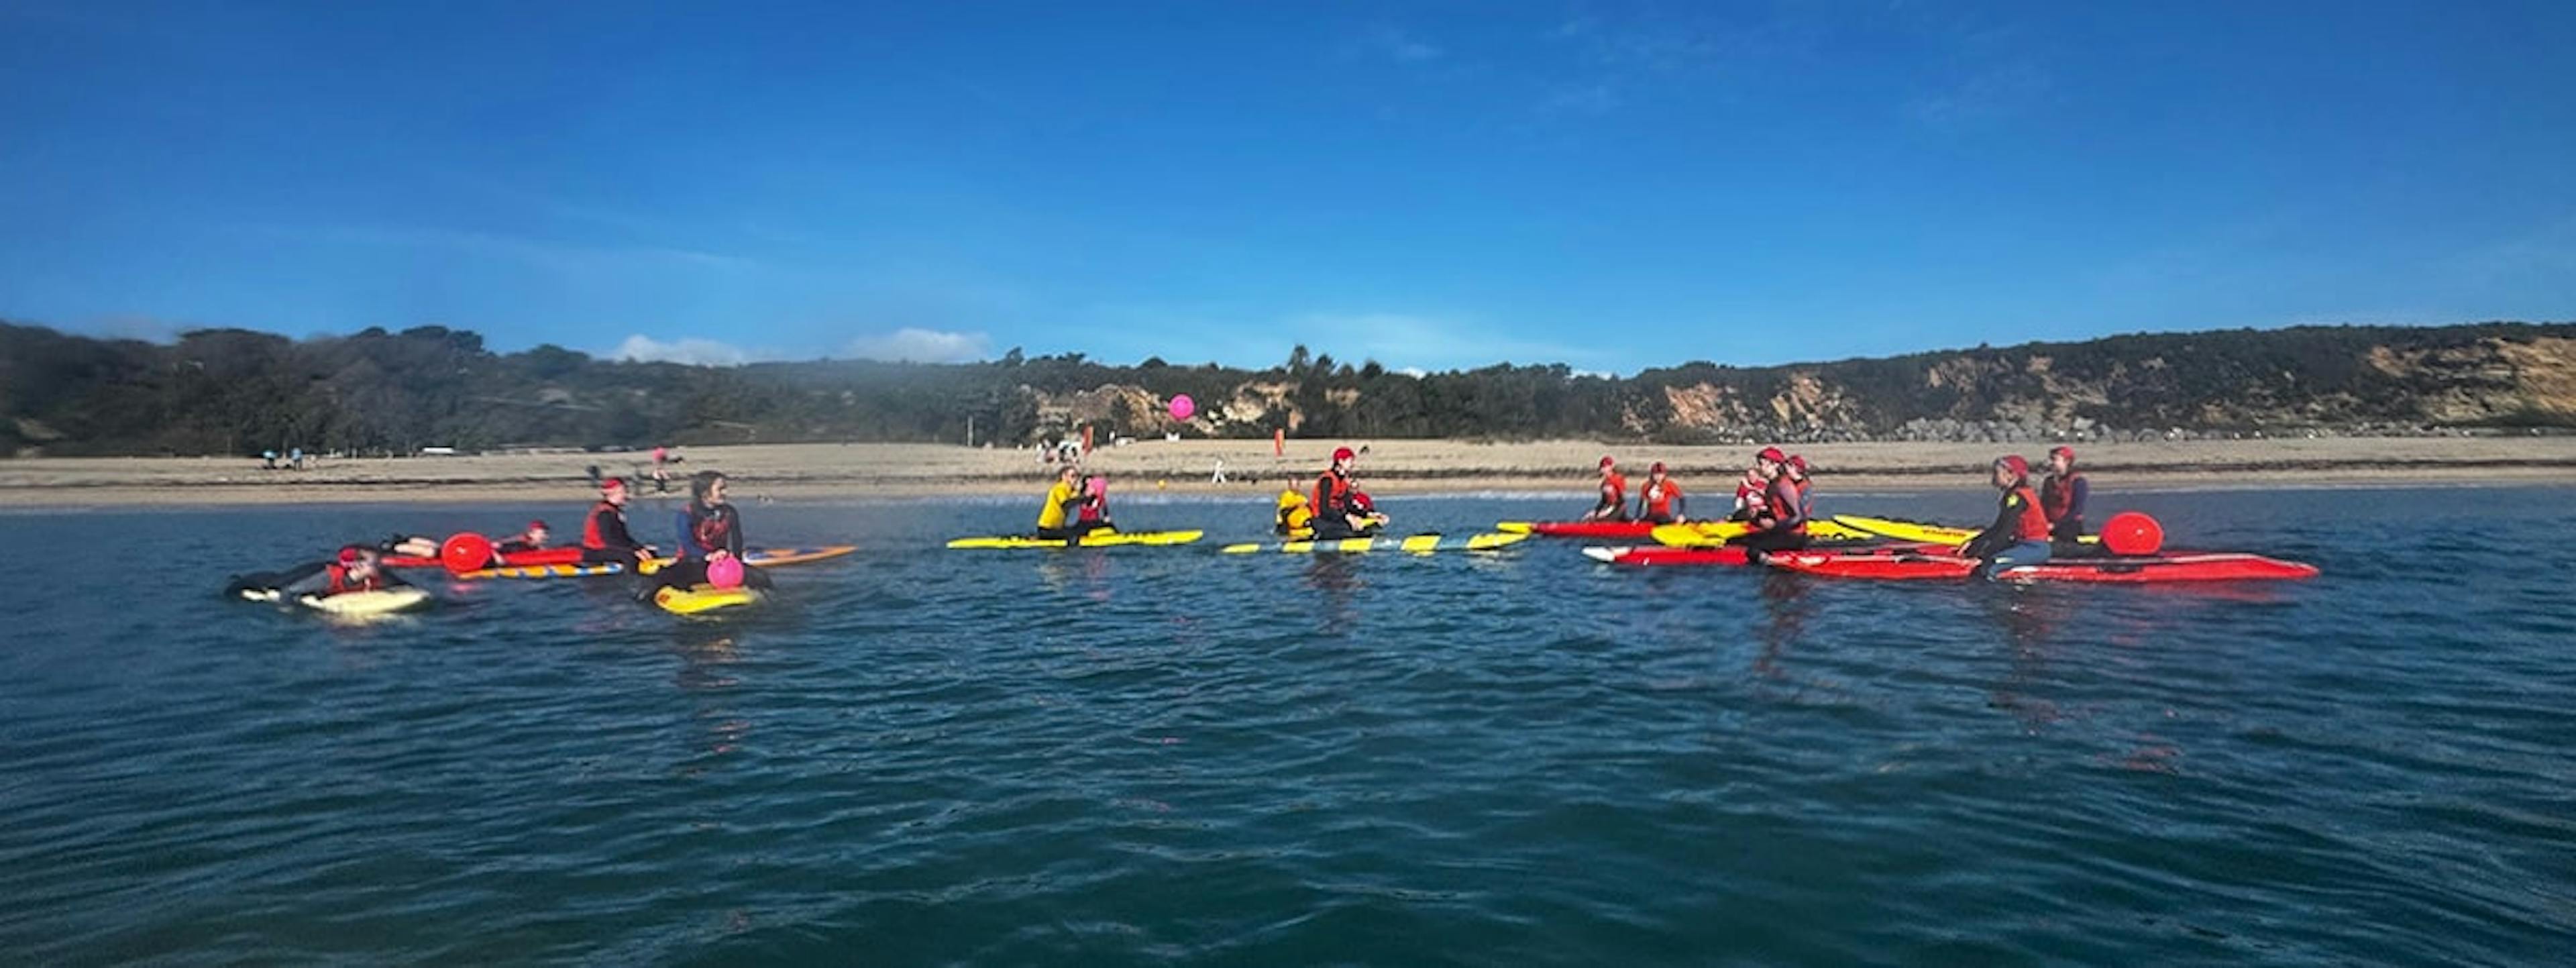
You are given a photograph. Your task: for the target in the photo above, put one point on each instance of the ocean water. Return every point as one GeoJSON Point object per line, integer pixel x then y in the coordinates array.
{"type": "Point", "coordinates": [1166, 756]}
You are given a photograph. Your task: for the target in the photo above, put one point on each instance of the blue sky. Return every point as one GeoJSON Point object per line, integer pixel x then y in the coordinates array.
{"type": "Point", "coordinates": [1609, 185]}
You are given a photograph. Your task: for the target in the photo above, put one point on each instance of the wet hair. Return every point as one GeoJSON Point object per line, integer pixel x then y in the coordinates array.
{"type": "Point", "coordinates": [702, 482]}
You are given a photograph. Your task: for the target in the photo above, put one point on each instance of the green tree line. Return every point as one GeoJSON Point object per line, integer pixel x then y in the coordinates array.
{"type": "Point", "coordinates": [233, 391]}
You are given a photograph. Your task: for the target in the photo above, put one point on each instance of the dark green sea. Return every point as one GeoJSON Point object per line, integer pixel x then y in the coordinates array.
{"type": "Point", "coordinates": [1147, 756]}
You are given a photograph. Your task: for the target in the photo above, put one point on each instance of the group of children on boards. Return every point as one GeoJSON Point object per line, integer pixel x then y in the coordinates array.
{"type": "Point", "coordinates": [1776, 500]}
{"type": "Point", "coordinates": [709, 529]}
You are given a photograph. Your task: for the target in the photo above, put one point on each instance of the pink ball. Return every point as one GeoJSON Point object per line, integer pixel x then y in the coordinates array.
{"type": "Point", "coordinates": [725, 572]}
{"type": "Point", "coordinates": [1183, 407]}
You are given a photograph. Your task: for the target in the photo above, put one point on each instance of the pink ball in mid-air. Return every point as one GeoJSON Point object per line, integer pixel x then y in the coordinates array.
{"type": "Point", "coordinates": [1183, 407]}
{"type": "Point", "coordinates": [725, 572]}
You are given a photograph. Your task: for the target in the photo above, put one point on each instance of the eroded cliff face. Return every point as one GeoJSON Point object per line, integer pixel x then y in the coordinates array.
{"type": "Point", "coordinates": [2022, 393]}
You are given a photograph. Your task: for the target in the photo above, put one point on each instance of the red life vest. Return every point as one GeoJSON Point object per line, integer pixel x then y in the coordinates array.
{"type": "Point", "coordinates": [2034, 519]}
{"type": "Point", "coordinates": [590, 536]}
{"type": "Point", "coordinates": [711, 528]}
{"type": "Point", "coordinates": [1333, 495]}
{"type": "Point", "coordinates": [340, 582]}
{"type": "Point", "coordinates": [2057, 494]}
{"type": "Point", "coordinates": [1784, 495]}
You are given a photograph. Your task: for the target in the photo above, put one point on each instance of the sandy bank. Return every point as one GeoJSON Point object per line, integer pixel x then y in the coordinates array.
{"type": "Point", "coordinates": [840, 471]}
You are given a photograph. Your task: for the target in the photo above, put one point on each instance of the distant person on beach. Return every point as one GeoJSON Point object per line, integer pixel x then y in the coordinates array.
{"type": "Point", "coordinates": [1659, 500]}
{"type": "Point", "coordinates": [2062, 495]}
{"type": "Point", "coordinates": [604, 538]}
{"type": "Point", "coordinates": [1781, 523]}
{"type": "Point", "coordinates": [1613, 505]}
{"type": "Point", "coordinates": [710, 530]}
{"type": "Point", "coordinates": [1341, 509]}
{"type": "Point", "coordinates": [1072, 508]}
{"type": "Point", "coordinates": [2019, 535]}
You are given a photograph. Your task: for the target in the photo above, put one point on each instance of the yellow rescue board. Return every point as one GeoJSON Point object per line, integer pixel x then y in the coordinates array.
{"type": "Point", "coordinates": [1418, 544]}
{"type": "Point", "coordinates": [765, 558]}
{"type": "Point", "coordinates": [1710, 534]}
{"type": "Point", "coordinates": [1093, 540]}
{"type": "Point", "coordinates": [703, 598]}
{"type": "Point", "coordinates": [1903, 530]}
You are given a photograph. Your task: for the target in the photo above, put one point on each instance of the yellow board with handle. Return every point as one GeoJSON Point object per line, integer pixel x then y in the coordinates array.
{"type": "Point", "coordinates": [1096, 539]}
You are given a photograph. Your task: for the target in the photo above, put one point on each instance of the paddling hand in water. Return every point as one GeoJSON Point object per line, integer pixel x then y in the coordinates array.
{"type": "Point", "coordinates": [2019, 535]}
{"type": "Point", "coordinates": [1073, 507]}
{"type": "Point", "coordinates": [1341, 509]}
{"type": "Point", "coordinates": [1659, 500]}
{"type": "Point", "coordinates": [1613, 505]}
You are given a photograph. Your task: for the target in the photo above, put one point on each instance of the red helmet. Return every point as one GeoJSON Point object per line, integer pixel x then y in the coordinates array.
{"type": "Point", "coordinates": [538, 526]}
{"type": "Point", "coordinates": [1609, 462]}
{"type": "Point", "coordinates": [1773, 455]}
{"type": "Point", "coordinates": [1343, 454]}
{"type": "Point", "coordinates": [1798, 461]}
{"type": "Point", "coordinates": [349, 554]}
{"type": "Point", "coordinates": [611, 483]}
{"type": "Point", "coordinates": [2062, 449]}
{"type": "Point", "coordinates": [2015, 464]}
{"type": "Point", "coordinates": [1657, 469]}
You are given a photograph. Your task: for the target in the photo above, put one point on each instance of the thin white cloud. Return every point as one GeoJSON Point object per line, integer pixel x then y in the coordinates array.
{"type": "Point", "coordinates": [1403, 340]}
{"type": "Point", "coordinates": [550, 255]}
{"type": "Point", "coordinates": [909, 345]}
{"type": "Point", "coordinates": [640, 348]}
{"type": "Point", "coordinates": [1393, 43]}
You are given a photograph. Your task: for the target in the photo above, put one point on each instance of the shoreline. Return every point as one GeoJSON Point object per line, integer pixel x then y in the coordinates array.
{"type": "Point", "coordinates": [1183, 468]}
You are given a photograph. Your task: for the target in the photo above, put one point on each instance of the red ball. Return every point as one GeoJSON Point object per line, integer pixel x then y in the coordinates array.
{"type": "Point", "coordinates": [2132, 533]}
{"type": "Point", "coordinates": [465, 551]}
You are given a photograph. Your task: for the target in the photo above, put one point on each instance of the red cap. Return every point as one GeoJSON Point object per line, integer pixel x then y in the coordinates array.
{"type": "Point", "coordinates": [1609, 462]}
{"type": "Point", "coordinates": [2014, 463]}
{"type": "Point", "coordinates": [1657, 469]}
{"type": "Point", "coordinates": [2062, 449]}
{"type": "Point", "coordinates": [1798, 461]}
{"type": "Point", "coordinates": [1343, 454]}
{"type": "Point", "coordinates": [608, 482]}
{"type": "Point", "coordinates": [538, 526]}
{"type": "Point", "coordinates": [1773, 455]}
{"type": "Point", "coordinates": [349, 554]}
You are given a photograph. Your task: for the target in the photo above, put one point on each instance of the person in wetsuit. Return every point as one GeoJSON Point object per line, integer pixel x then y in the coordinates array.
{"type": "Point", "coordinates": [1659, 500]}
{"type": "Point", "coordinates": [355, 569]}
{"type": "Point", "coordinates": [532, 539]}
{"type": "Point", "coordinates": [1071, 509]}
{"type": "Point", "coordinates": [1781, 524]}
{"type": "Point", "coordinates": [1749, 495]}
{"type": "Point", "coordinates": [1341, 510]}
{"type": "Point", "coordinates": [1613, 505]}
{"type": "Point", "coordinates": [710, 529]}
{"type": "Point", "coordinates": [1797, 468]}
{"type": "Point", "coordinates": [2062, 496]}
{"type": "Point", "coordinates": [2019, 535]}
{"type": "Point", "coordinates": [604, 538]}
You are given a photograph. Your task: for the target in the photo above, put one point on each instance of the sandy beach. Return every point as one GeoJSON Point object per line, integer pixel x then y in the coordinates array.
{"type": "Point", "coordinates": [845, 471]}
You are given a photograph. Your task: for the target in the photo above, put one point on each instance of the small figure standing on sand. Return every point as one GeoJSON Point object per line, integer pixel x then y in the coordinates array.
{"type": "Point", "coordinates": [1613, 505]}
